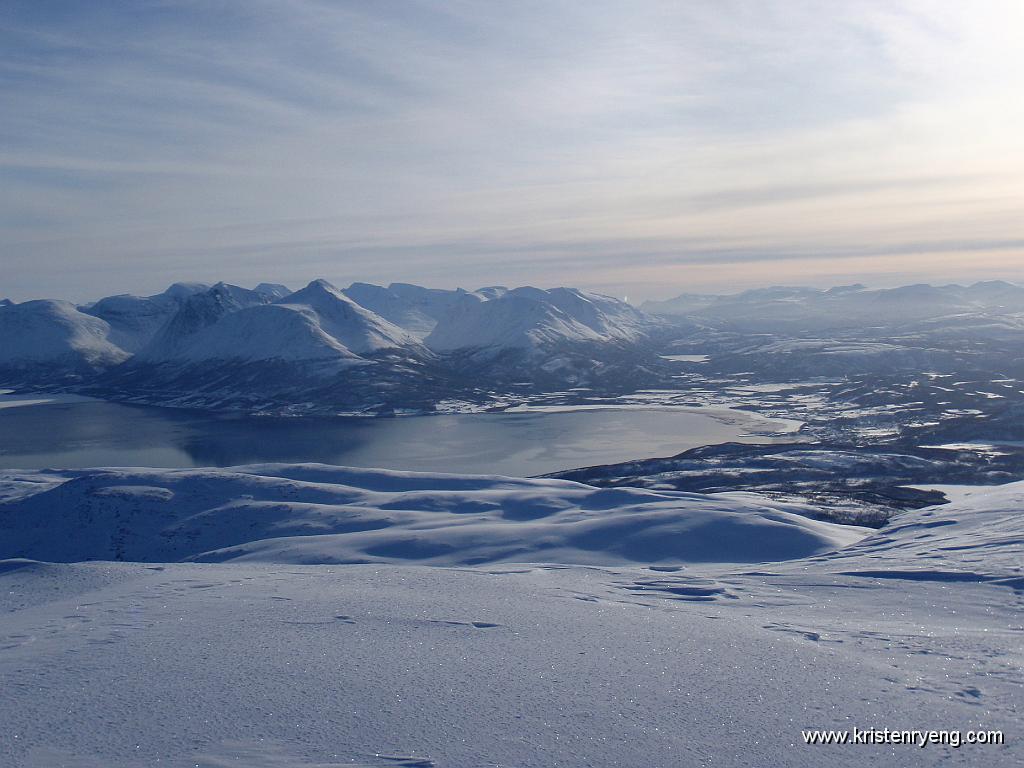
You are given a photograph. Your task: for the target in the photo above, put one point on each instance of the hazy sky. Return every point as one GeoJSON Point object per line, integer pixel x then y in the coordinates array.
{"type": "Point", "coordinates": [640, 148]}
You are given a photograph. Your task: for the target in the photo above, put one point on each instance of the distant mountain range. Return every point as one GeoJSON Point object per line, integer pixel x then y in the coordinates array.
{"type": "Point", "coordinates": [404, 348]}
{"type": "Point", "coordinates": [787, 332]}
{"type": "Point", "coordinates": [364, 347]}
{"type": "Point", "coordinates": [785, 309]}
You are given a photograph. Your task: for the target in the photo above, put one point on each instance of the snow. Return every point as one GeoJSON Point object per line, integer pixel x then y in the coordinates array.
{"type": "Point", "coordinates": [532, 318]}
{"type": "Point", "coordinates": [392, 307]}
{"type": "Point", "coordinates": [267, 332]}
{"type": "Point", "coordinates": [134, 320]}
{"type": "Point", "coordinates": [55, 332]}
{"type": "Point", "coordinates": [182, 290]}
{"type": "Point", "coordinates": [686, 358]}
{"type": "Point", "coordinates": [782, 308]}
{"type": "Point", "coordinates": [491, 291]}
{"type": "Point", "coordinates": [355, 327]}
{"type": "Point", "coordinates": [8, 400]}
{"type": "Point", "coordinates": [523, 318]}
{"type": "Point", "coordinates": [197, 316]}
{"type": "Point", "coordinates": [607, 316]}
{"type": "Point", "coordinates": [411, 307]}
{"type": "Point", "coordinates": [309, 615]}
{"type": "Point", "coordinates": [273, 291]}
{"type": "Point", "coordinates": [232, 324]}
{"type": "Point", "coordinates": [971, 445]}
{"type": "Point", "coordinates": [278, 665]}
{"type": "Point", "coordinates": [320, 514]}
{"type": "Point", "coordinates": [978, 536]}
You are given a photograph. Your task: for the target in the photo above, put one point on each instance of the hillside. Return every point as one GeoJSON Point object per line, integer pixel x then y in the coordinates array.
{"type": "Point", "coordinates": [263, 661]}
{"type": "Point", "coordinates": [319, 514]}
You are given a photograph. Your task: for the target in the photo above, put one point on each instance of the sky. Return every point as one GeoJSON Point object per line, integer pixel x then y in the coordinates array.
{"type": "Point", "coordinates": [638, 148]}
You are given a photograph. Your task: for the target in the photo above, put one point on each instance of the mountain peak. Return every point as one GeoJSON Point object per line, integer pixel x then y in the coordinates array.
{"type": "Point", "coordinates": [533, 318]}
{"type": "Point", "coordinates": [183, 290]}
{"type": "Point", "coordinates": [323, 285]}
{"type": "Point", "coordinates": [358, 328]}
{"type": "Point", "coordinates": [273, 291]}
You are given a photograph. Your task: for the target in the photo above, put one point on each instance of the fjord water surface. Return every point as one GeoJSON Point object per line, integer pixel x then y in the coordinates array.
{"type": "Point", "coordinates": [95, 433]}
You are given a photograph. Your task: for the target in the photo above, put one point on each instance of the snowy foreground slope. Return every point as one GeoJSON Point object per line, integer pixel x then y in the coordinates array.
{"type": "Point", "coordinates": [273, 664]}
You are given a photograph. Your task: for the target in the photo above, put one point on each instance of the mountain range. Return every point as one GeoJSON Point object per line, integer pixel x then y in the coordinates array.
{"type": "Point", "coordinates": [269, 348]}
{"type": "Point", "coordinates": [844, 307]}
{"type": "Point", "coordinates": [375, 349]}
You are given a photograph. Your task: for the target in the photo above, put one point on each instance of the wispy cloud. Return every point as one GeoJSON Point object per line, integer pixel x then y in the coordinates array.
{"type": "Point", "coordinates": [471, 142]}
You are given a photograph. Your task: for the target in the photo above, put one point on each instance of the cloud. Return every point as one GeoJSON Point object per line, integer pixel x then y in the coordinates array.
{"type": "Point", "coordinates": [475, 142]}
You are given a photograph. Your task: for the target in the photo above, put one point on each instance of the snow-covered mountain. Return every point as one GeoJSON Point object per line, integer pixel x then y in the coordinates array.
{"type": "Point", "coordinates": [271, 349]}
{"type": "Point", "coordinates": [609, 317]}
{"type": "Point", "coordinates": [415, 309]}
{"type": "Point", "coordinates": [273, 291]}
{"type": "Point", "coordinates": [258, 333]}
{"type": "Point", "coordinates": [134, 320]}
{"type": "Point", "coordinates": [358, 329]}
{"type": "Point", "coordinates": [42, 338]}
{"type": "Point", "coordinates": [532, 319]}
{"type": "Point", "coordinates": [192, 322]}
{"type": "Point", "coordinates": [231, 324]}
{"type": "Point", "coordinates": [491, 291]}
{"type": "Point", "coordinates": [230, 348]}
{"type": "Point", "coordinates": [786, 309]}
{"type": "Point", "coordinates": [510, 322]}
{"type": "Point", "coordinates": [850, 330]}
{"type": "Point", "coordinates": [317, 323]}
{"type": "Point", "coordinates": [196, 313]}
{"type": "Point", "coordinates": [496, 319]}
{"type": "Point", "coordinates": [183, 289]}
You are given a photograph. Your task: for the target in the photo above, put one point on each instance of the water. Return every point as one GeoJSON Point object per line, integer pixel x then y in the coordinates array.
{"type": "Point", "coordinates": [88, 434]}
